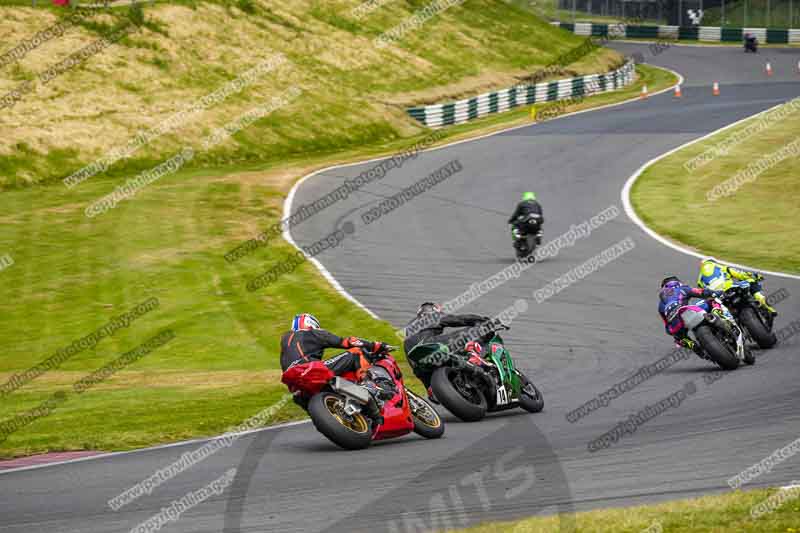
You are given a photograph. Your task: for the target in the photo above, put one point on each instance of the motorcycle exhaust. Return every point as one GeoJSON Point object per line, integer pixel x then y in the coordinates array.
{"type": "Point", "coordinates": [358, 394]}
{"type": "Point", "coordinates": [351, 390]}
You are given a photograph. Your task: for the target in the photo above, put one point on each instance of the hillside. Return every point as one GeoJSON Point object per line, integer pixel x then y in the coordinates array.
{"type": "Point", "coordinates": [352, 91]}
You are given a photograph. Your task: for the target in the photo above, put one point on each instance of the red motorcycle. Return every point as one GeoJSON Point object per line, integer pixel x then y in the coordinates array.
{"type": "Point", "coordinates": [352, 411]}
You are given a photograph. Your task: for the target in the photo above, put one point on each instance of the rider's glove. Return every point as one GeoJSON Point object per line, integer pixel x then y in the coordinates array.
{"type": "Point", "coordinates": [758, 276]}
{"type": "Point", "coordinates": [377, 353]}
{"type": "Point", "coordinates": [353, 342]}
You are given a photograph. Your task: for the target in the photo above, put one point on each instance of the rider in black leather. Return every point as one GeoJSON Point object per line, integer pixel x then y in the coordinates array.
{"type": "Point", "coordinates": [429, 326]}
{"type": "Point", "coordinates": [528, 205]}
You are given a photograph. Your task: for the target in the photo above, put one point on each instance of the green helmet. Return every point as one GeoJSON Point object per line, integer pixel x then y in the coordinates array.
{"type": "Point", "coordinates": [528, 196]}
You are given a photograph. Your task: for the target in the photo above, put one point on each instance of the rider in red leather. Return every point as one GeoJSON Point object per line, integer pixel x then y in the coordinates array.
{"type": "Point", "coordinates": [307, 341]}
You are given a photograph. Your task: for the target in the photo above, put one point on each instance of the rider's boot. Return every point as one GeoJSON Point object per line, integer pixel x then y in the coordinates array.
{"type": "Point", "coordinates": [373, 411]}
{"type": "Point", "coordinates": [761, 299]}
{"type": "Point", "coordinates": [686, 342]}
{"type": "Point", "coordinates": [431, 397]}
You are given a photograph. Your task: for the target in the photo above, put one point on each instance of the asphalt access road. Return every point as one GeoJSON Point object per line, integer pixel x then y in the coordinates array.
{"type": "Point", "coordinates": [575, 345]}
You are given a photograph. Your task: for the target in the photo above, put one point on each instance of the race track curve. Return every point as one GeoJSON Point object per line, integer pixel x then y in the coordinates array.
{"type": "Point", "coordinates": [574, 345]}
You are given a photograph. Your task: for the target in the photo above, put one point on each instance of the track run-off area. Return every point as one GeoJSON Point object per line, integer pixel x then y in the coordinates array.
{"type": "Point", "coordinates": [575, 344]}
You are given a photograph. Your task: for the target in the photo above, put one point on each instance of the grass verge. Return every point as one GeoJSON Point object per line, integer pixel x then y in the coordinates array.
{"type": "Point", "coordinates": [709, 514]}
{"type": "Point", "coordinates": [71, 275]}
{"type": "Point", "coordinates": [756, 224]}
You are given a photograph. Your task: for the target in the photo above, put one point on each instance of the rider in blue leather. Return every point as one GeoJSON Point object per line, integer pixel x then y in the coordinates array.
{"type": "Point", "coordinates": [674, 295]}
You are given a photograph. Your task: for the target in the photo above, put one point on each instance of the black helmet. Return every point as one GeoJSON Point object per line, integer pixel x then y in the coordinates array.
{"type": "Point", "coordinates": [669, 280]}
{"type": "Point", "coordinates": [429, 307]}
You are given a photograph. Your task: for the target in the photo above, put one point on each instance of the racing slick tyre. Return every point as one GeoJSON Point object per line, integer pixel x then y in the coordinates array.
{"type": "Point", "coordinates": [530, 398]}
{"type": "Point", "coordinates": [427, 422]}
{"type": "Point", "coordinates": [327, 413]}
{"type": "Point", "coordinates": [763, 336]}
{"type": "Point", "coordinates": [717, 350]}
{"type": "Point", "coordinates": [460, 396]}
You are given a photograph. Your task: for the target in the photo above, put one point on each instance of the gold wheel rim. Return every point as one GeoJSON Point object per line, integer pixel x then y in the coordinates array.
{"type": "Point", "coordinates": [426, 414]}
{"type": "Point", "coordinates": [356, 423]}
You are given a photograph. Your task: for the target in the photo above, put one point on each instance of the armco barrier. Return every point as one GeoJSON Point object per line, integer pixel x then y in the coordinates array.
{"type": "Point", "coordinates": [438, 115]}
{"type": "Point", "coordinates": [687, 33]}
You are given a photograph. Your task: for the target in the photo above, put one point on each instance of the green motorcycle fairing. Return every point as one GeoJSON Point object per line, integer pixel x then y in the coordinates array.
{"type": "Point", "coordinates": [428, 357]}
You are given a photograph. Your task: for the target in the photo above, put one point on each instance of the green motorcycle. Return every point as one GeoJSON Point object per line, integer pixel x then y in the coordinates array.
{"type": "Point", "coordinates": [469, 387]}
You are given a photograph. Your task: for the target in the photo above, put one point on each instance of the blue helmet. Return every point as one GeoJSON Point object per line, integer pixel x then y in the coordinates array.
{"type": "Point", "coordinates": [305, 321]}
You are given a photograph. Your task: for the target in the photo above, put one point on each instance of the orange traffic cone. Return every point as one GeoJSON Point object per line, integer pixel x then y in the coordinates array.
{"type": "Point", "coordinates": [769, 69]}
{"type": "Point", "coordinates": [715, 90]}
{"type": "Point", "coordinates": [678, 93]}
{"type": "Point", "coordinates": [644, 92]}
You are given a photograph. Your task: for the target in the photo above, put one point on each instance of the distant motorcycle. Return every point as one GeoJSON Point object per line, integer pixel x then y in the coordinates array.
{"type": "Point", "coordinates": [754, 319]}
{"type": "Point", "coordinates": [469, 388]}
{"type": "Point", "coordinates": [345, 410]}
{"type": "Point", "coordinates": [524, 233]}
{"type": "Point", "coordinates": [750, 44]}
{"type": "Point", "coordinates": [720, 338]}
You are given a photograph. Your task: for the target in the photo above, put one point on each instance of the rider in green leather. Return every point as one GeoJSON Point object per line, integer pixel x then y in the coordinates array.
{"type": "Point", "coordinates": [718, 277]}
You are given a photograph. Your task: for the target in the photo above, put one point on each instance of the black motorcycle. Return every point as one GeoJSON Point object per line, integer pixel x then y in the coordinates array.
{"type": "Point", "coordinates": [754, 319]}
{"type": "Point", "coordinates": [750, 44]}
{"type": "Point", "coordinates": [525, 234]}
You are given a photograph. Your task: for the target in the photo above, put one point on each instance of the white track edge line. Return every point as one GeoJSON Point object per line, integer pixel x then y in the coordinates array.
{"type": "Point", "coordinates": [626, 199]}
{"type": "Point", "coordinates": [151, 448]}
{"type": "Point", "coordinates": [326, 274]}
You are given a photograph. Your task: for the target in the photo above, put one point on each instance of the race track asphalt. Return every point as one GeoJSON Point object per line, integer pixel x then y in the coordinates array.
{"type": "Point", "coordinates": [574, 345]}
